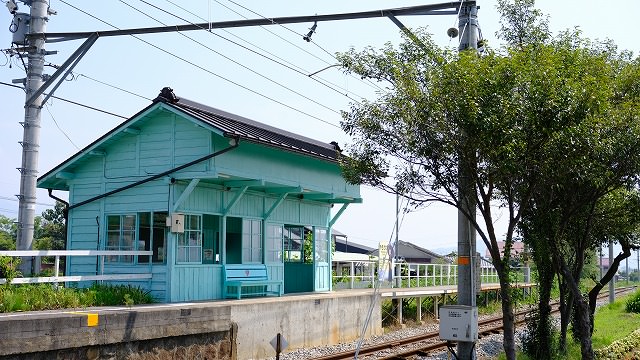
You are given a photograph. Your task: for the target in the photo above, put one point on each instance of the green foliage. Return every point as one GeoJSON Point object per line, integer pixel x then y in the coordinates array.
{"type": "Point", "coordinates": [9, 268]}
{"type": "Point", "coordinates": [120, 295]}
{"type": "Point", "coordinates": [47, 297]}
{"type": "Point", "coordinates": [633, 303]}
{"type": "Point", "coordinates": [8, 229]}
{"type": "Point", "coordinates": [538, 347]}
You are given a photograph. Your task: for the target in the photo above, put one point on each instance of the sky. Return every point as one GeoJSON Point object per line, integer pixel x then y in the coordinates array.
{"type": "Point", "coordinates": [122, 74]}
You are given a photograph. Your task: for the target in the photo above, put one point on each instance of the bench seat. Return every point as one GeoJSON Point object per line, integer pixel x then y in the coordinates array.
{"type": "Point", "coordinates": [253, 277]}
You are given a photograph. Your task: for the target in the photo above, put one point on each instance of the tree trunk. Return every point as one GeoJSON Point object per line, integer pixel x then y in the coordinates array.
{"type": "Point", "coordinates": [584, 326]}
{"type": "Point", "coordinates": [543, 326]}
{"type": "Point", "coordinates": [508, 318]}
{"type": "Point", "coordinates": [613, 269]}
{"type": "Point", "coordinates": [582, 323]}
{"type": "Point", "coordinates": [566, 307]}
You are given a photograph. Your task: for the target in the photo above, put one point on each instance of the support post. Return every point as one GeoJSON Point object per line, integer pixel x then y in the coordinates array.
{"type": "Point", "coordinates": [612, 293]}
{"type": "Point", "coordinates": [31, 133]}
{"type": "Point", "coordinates": [419, 310]}
{"type": "Point", "coordinates": [468, 30]}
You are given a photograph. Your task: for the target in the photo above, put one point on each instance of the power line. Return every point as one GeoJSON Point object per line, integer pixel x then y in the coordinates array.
{"type": "Point", "coordinates": [13, 199]}
{"type": "Point", "coordinates": [203, 68]}
{"type": "Point", "coordinates": [71, 102]}
{"type": "Point", "coordinates": [372, 84]}
{"type": "Point", "coordinates": [283, 62]}
{"type": "Point", "coordinates": [59, 128]}
{"type": "Point", "coordinates": [224, 56]}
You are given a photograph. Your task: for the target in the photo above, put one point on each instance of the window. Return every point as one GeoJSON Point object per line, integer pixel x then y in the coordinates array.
{"type": "Point", "coordinates": [321, 240]}
{"type": "Point", "coordinates": [298, 244]}
{"type": "Point", "coordinates": [151, 236]}
{"type": "Point", "coordinates": [273, 244]}
{"type": "Point", "coordinates": [121, 235]}
{"type": "Point", "coordinates": [251, 241]}
{"type": "Point", "coordinates": [190, 242]}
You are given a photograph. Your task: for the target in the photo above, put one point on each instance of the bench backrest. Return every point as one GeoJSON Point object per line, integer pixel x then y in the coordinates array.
{"type": "Point", "coordinates": [249, 272]}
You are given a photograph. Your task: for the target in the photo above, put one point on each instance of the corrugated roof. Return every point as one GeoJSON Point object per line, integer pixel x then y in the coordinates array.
{"type": "Point", "coordinates": [246, 129]}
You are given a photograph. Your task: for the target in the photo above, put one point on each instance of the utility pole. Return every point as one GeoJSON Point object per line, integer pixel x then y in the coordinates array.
{"type": "Point", "coordinates": [468, 36]}
{"type": "Point", "coordinates": [31, 136]}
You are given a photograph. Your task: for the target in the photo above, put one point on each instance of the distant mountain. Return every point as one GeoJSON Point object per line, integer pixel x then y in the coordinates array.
{"type": "Point", "coordinates": [445, 250]}
{"type": "Point", "coordinates": [448, 249]}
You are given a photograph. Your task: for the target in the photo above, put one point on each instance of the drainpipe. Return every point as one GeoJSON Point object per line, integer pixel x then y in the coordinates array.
{"type": "Point", "coordinates": [65, 213]}
{"type": "Point", "coordinates": [235, 140]}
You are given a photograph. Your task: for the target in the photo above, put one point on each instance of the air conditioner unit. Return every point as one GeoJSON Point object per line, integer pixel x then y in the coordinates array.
{"type": "Point", "coordinates": [459, 323]}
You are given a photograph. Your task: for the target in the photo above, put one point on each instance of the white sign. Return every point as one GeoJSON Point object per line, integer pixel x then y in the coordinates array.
{"type": "Point", "coordinates": [283, 343]}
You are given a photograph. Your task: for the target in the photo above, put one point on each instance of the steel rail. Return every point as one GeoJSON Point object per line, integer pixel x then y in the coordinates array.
{"type": "Point", "coordinates": [425, 349]}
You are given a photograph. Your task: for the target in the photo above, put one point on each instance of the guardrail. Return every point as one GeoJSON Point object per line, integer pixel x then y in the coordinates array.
{"type": "Point", "coordinates": [99, 276]}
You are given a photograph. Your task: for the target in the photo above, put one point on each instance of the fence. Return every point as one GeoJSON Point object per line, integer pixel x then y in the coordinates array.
{"type": "Point", "coordinates": [362, 274]}
{"type": "Point", "coordinates": [99, 276]}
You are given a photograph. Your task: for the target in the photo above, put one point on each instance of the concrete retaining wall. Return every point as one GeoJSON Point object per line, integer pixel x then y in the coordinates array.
{"type": "Point", "coordinates": [116, 334]}
{"type": "Point", "coordinates": [234, 329]}
{"type": "Point", "coordinates": [303, 320]}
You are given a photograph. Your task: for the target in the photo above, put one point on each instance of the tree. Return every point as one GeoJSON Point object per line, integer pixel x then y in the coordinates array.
{"type": "Point", "coordinates": [51, 233]}
{"type": "Point", "coordinates": [537, 126]}
{"type": "Point", "coordinates": [441, 109]}
{"type": "Point", "coordinates": [8, 229]}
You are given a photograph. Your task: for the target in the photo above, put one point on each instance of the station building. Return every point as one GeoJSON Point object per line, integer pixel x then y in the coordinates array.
{"type": "Point", "coordinates": [202, 188]}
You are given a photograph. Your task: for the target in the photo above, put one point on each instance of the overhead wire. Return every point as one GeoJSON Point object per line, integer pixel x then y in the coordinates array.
{"type": "Point", "coordinates": [59, 128]}
{"type": "Point", "coordinates": [70, 101]}
{"type": "Point", "coordinates": [14, 199]}
{"type": "Point", "coordinates": [167, 52]}
{"type": "Point", "coordinates": [369, 82]}
{"type": "Point", "coordinates": [281, 61]}
{"type": "Point", "coordinates": [225, 56]}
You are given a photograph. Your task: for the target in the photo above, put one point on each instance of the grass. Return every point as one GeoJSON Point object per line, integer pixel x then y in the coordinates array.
{"type": "Point", "coordinates": [612, 322]}
{"type": "Point", "coordinates": [46, 297]}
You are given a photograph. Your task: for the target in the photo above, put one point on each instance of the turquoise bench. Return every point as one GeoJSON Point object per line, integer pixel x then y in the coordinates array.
{"type": "Point", "coordinates": [253, 277]}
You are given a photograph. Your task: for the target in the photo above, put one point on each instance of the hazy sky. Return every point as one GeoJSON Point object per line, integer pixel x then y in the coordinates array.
{"type": "Point", "coordinates": [211, 68]}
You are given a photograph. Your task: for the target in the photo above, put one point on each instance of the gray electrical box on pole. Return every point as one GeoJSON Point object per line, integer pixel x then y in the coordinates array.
{"type": "Point", "coordinates": [468, 32]}
{"type": "Point", "coordinates": [34, 49]}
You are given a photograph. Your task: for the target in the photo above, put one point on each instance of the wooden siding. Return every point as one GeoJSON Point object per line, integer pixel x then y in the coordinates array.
{"type": "Point", "coordinates": [272, 165]}
{"type": "Point", "coordinates": [203, 199]}
{"type": "Point", "coordinates": [191, 142]}
{"type": "Point", "coordinates": [122, 158]}
{"type": "Point", "coordinates": [196, 282]}
{"type": "Point", "coordinates": [250, 205]}
{"type": "Point", "coordinates": [153, 195]}
{"type": "Point", "coordinates": [155, 144]}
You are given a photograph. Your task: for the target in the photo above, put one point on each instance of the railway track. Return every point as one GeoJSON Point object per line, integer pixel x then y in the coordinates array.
{"type": "Point", "coordinates": [423, 345]}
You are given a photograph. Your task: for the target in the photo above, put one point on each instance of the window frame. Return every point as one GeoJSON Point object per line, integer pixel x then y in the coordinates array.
{"type": "Point", "coordinates": [249, 238]}
{"type": "Point", "coordinates": [186, 237]}
{"type": "Point", "coordinates": [118, 259]}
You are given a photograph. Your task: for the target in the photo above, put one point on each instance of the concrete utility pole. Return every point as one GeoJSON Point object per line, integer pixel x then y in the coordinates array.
{"type": "Point", "coordinates": [468, 35]}
{"type": "Point", "coordinates": [31, 124]}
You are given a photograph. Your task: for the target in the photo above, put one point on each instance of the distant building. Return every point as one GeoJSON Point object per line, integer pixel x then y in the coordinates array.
{"type": "Point", "coordinates": [517, 249]}
{"type": "Point", "coordinates": [343, 244]}
{"type": "Point", "coordinates": [412, 253]}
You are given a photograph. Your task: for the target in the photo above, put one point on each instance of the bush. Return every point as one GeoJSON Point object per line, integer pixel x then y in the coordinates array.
{"type": "Point", "coordinates": [47, 297]}
{"type": "Point", "coordinates": [633, 303]}
{"type": "Point", "coordinates": [9, 268]}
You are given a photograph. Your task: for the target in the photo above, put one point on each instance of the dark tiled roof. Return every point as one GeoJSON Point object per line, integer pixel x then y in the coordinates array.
{"type": "Point", "coordinates": [236, 126]}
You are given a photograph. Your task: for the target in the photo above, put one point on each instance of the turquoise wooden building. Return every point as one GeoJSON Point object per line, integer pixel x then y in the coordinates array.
{"type": "Point", "coordinates": [203, 188]}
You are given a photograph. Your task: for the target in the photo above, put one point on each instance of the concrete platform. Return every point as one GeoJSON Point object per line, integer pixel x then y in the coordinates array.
{"type": "Point", "coordinates": [304, 320]}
